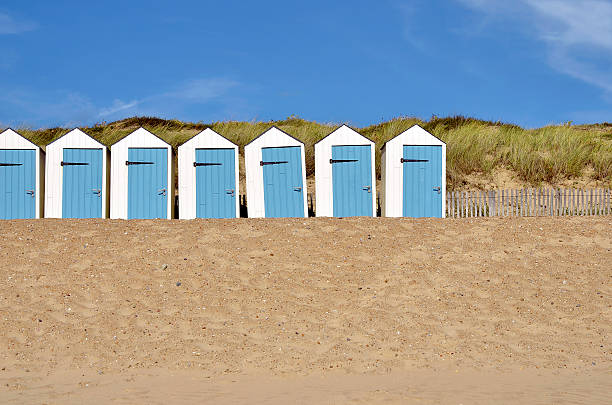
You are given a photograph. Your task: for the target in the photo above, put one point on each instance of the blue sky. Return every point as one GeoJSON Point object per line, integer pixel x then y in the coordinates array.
{"type": "Point", "coordinates": [530, 62]}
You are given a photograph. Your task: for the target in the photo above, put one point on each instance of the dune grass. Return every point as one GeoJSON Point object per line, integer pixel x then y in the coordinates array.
{"type": "Point", "coordinates": [550, 154]}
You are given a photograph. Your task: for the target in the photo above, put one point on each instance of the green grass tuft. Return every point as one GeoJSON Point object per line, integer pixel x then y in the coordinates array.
{"type": "Point", "coordinates": [550, 154]}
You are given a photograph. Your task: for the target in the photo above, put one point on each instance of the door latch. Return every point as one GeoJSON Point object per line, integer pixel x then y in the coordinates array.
{"type": "Point", "coordinates": [162, 192]}
{"type": "Point", "coordinates": [438, 189]}
{"type": "Point", "coordinates": [30, 192]}
{"type": "Point", "coordinates": [299, 189]}
{"type": "Point", "coordinates": [230, 191]}
{"type": "Point", "coordinates": [368, 189]}
{"type": "Point", "coordinates": [97, 191]}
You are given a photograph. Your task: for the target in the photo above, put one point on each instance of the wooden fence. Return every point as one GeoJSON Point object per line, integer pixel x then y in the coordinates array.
{"type": "Point", "coordinates": [528, 203]}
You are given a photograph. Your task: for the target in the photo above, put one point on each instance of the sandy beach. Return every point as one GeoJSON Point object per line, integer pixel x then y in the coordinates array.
{"type": "Point", "coordinates": [308, 311]}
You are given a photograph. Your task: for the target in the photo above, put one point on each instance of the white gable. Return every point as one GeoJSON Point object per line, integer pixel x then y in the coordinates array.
{"type": "Point", "coordinates": [10, 139]}
{"type": "Point", "coordinates": [345, 136]}
{"type": "Point", "coordinates": [75, 139]}
{"type": "Point", "coordinates": [415, 135]}
{"type": "Point", "coordinates": [140, 138]}
{"type": "Point", "coordinates": [208, 139]}
{"type": "Point", "coordinates": [273, 137]}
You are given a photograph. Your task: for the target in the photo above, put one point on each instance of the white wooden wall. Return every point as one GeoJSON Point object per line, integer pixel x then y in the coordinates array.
{"type": "Point", "coordinates": [273, 137]}
{"type": "Point", "coordinates": [324, 185]}
{"type": "Point", "coordinates": [54, 171]}
{"type": "Point", "coordinates": [141, 138]}
{"type": "Point", "coordinates": [187, 172]}
{"type": "Point", "coordinates": [392, 170]}
{"type": "Point", "coordinates": [10, 139]}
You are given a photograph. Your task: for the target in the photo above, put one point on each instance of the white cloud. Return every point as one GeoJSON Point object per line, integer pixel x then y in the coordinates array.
{"type": "Point", "coordinates": [577, 33]}
{"type": "Point", "coordinates": [195, 91]}
{"type": "Point", "coordinates": [31, 108]}
{"type": "Point", "coordinates": [10, 26]}
{"type": "Point", "coordinates": [118, 106]}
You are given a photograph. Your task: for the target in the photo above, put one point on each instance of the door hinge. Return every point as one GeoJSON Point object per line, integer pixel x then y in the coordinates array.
{"type": "Point", "coordinates": [73, 164]}
{"type": "Point", "coordinates": [262, 163]}
{"type": "Point", "coordinates": [342, 160]}
{"type": "Point", "coordinates": [196, 164]}
{"type": "Point", "coordinates": [413, 160]}
{"type": "Point", "coordinates": [11, 164]}
{"type": "Point", "coordinates": [128, 163]}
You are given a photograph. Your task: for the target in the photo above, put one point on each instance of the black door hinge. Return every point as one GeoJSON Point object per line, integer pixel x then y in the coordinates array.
{"type": "Point", "coordinates": [413, 160]}
{"type": "Point", "coordinates": [262, 163]}
{"type": "Point", "coordinates": [73, 164]}
{"type": "Point", "coordinates": [128, 163]}
{"type": "Point", "coordinates": [196, 164]}
{"type": "Point", "coordinates": [342, 160]}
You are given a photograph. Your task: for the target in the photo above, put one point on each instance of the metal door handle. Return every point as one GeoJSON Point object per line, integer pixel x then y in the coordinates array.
{"type": "Point", "coordinates": [368, 189]}
{"type": "Point", "coordinates": [30, 192]}
{"type": "Point", "coordinates": [297, 189]}
{"type": "Point", "coordinates": [438, 189]}
{"type": "Point", "coordinates": [97, 191]}
{"type": "Point", "coordinates": [162, 192]}
{"type": "Point", "coordinates": [230, 191]}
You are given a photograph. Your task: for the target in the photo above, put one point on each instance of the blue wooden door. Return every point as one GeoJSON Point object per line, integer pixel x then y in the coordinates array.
{"type": "Point", "coordinates": [422, 181]}
{"type": "Point", "coordinates": [147, 183]}
{"type": "Point", "coordinates": [283, 188]}
{"type": "Point", "coordinates": [82, 183]}
{"type": "Point", "coordinates": [352, 180]}
{"type": "Point", "coordinates": [215, 183]}
{"type": "Point", "coordinates": [17, 183]}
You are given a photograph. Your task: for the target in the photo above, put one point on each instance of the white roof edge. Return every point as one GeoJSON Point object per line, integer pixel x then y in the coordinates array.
{"type": "Point", "coordinates": [12, 132]}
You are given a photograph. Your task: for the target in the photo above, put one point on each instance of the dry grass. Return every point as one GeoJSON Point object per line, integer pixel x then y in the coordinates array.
{"type": "Point", "coordinates": [550, 154]}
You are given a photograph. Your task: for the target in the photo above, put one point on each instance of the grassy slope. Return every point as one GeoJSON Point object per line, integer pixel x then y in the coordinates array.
{"type": "Point", "coordinates": [550, 155]}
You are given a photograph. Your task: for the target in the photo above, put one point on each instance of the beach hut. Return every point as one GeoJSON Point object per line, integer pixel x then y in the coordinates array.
{"type": "Point", "coordinates": [208, 177]}
{"type": "Point", "coordinates": [76, 177]}
{"type": "Point", "coordinates": [275, 176]}
{"type": "Point", "coordinates": [21, 176]}
{"type": "Point", "coordinates": [345, 175]}
{"type": "Point", "coordinates": [141, 177]}
{"type": "Point", "coordinates": [413, 169]}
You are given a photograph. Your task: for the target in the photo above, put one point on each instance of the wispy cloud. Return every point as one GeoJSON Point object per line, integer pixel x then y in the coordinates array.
{"type": "Point", "coordinates": [8, 25]}
{"type": "Point", "coordinates": [195, 91]}
{"type": "Point", "coordinates": [577, 33]}
{"type": "Point", "coordinates": [29, 107]}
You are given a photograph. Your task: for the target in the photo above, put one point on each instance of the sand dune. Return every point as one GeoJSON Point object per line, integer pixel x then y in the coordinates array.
{"type": "Point", "coordinates": [306, 311]}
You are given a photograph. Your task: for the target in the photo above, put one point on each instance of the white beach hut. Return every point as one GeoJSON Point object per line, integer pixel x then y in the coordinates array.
{"type": "Point", "coordinates": [208, 177]}
{"type": "Point", "coordinates": [21, 177]}
{"type": "Point", "coordinates": [345, 175]}
{"type": "Point", "coordinates": [413, 170]}
{"type": "Point", "coordinates": [76, 177]}
{"type": "Point", "coordinates": [275, 176]}
{"type": "Point", "coordinates": [141, 177]}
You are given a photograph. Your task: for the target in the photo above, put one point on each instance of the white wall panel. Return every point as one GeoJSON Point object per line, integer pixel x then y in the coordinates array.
{"type": "Point", "coordinates": [324, 186]}
{"type": "Point", "coordinates": [187, 172]}
{"type": "Point", "coordinates": [393, 171]}
{"type": "Point", "coordinates": [10, 139]}
{"type": "Point", "coordinates": [54, 171]}
{"type": "Point", "coordinates": [141, 138]}
{"type": "Point", "coordinates": [273, 137]}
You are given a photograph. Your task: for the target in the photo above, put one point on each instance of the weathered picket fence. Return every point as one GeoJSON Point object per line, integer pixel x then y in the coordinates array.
{"type": "Point", "coordinates": [528, 203]}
